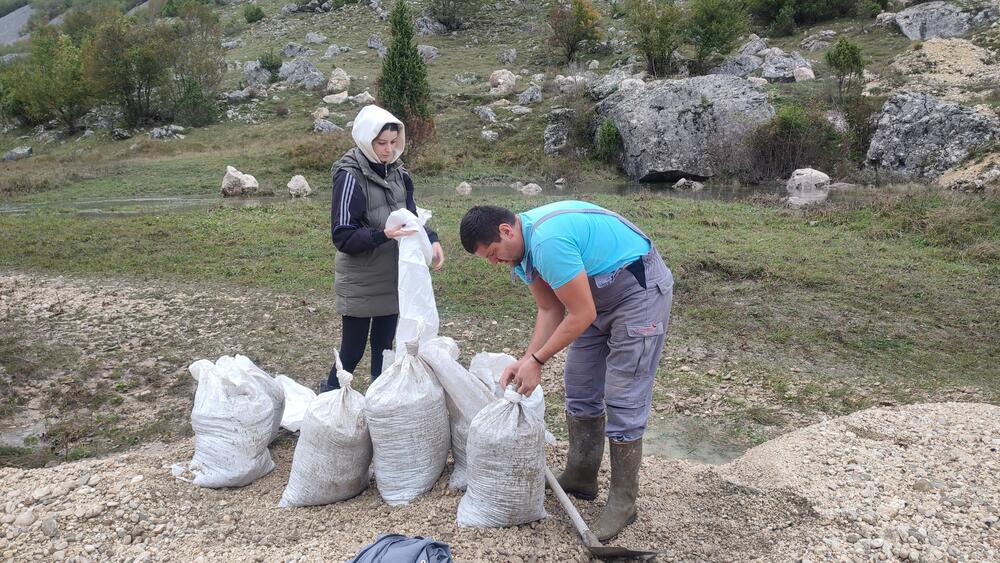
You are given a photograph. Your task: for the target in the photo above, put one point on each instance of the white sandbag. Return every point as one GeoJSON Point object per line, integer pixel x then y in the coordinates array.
{"type": "Point", "coordinates": [418, 315]}
{"type": "Point", "coordinates": [465, 396]}
{"type": "Point", "coordinates": [232, 419]}
{"type": "Point", "coordinates": [489, 366]}
{"type": "Point", "coordinates": [267, 383]}
{"type": "Point", "coordinates": [408, 421]}
{"type": "Point", "coordinates": [334, 452]}
{"type": "Point", "coordinates": [297, 399]}
{"type": "Point", "coordinates": [506, 466]}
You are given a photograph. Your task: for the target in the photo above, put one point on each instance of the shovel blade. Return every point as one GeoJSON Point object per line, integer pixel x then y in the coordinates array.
{"type": "Point", "coordinates": [615, 552]}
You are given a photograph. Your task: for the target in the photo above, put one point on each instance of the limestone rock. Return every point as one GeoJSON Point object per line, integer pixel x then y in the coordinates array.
{"type": "Point", "coordinates": [428, 52]}
{"type": "Point", "coordinates": [338, 82]}
{"type": "Point", "coordinates": [507, 56]}
{"type": "Point", "coordinates": [945, 19]}
{"type": "Point", "coordinates": [303, 74]}
{"type": "Point", "coordinates": [254, 73]}
{"type": "Point", "coordinates": [315, 38]}
{"type": "Point", "coordinates": [502, 82]}
{"type": "Point", "coordinates": [18, 153]}
{"type": "Point", "coordinates": [324, 127]}
{"type": "Point", "coordinates": [298, 186]}
{"type": "Point", "coordinates": [236, 183]}
{"type": "Point", "coordinates": [463, 189]}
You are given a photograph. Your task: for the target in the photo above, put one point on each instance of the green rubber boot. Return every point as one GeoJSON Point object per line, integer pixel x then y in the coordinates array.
{"type": "Point", "coordinates": [586, 447]}
{"type": "Point", "coordinates": [620, 510]}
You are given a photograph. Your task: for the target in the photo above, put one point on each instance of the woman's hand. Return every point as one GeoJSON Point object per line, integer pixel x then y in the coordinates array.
{"type": "Point", "coordinates": [397, 232]}
{"type": "Point", "coordinates": [438, 260]}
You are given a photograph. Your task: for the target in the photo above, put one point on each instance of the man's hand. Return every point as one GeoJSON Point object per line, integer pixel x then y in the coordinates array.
{"type": "Point", "coordinates": [438, 260]}
{"type": "Point", "coordinates": [526, 375]}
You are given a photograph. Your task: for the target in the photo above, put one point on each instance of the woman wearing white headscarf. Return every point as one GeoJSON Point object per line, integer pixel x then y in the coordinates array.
{"type": "Point", "coordinates": [369, 183]}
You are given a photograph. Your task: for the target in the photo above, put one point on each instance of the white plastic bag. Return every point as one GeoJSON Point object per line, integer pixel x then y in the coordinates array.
{"type": "Point", "coordinates": [489, 366]}
{"type": "Point", "coordinates": [333, 455]}
{"type": "Point", "coordinates": [408, 421]}
{"type": "Point", "coordinates": [297, 399]}
{"type": "Point", "coordinates": [506, 466]}
{"type": "Point", "coordinates": [273, 389]}
{"type": "Point", "coordinates": [465, 395]}
{"type": "Point", "coordinates": [233, 422]}
{"type": "Point", "coordinates": [418, 315]}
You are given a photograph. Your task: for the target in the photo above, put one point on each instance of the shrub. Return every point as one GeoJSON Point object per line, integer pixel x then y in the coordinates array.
{"type": "Point", "coordinates": [658, 27]}
{"type": "Point", "coordinates": [805, 11]}
{"type": "Point", "coordinates": [573, 24]}
{"type": "Point", "coordinates": [270, 61]}
{"type": "Point", "coordinates": [317, 152]}
{"type": "Point", "coordinates": [860, 113]}
{"type": "Point", "coordinates": [793, 139]}
{"type": "Point", "coordinates": [847, 63]}
{"type": "Point", "coordinates": [253, 13]}
{"type": "Point", "coordinates": [128, 64]}
{"type": "Point", "coordinates": [402, 84]}
{"type": "Point", "coordinates": [234, 26]}
{"type": "Point", "coordinates": [607, 141]}
{"type": "Point", "coordinates": [194, 108]}
{"type": "Point", "coordinates": [868, 9]}
{"type": "Point", "coordinates": [281, 109]}
{"type": "Point", "coordinates": [714, 27]}
{"type": "Point", "coordinates": [171, 8]}
{"type": "Point", "coordinates": [50, 83]}
{"type": "Point", "coordinates": [453, 13]}
{"type": "Point", "coordinates": [784, 21]}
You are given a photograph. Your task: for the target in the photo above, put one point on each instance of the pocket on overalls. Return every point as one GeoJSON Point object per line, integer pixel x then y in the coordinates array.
{"type": "Point", "coordinates": [628, 386]}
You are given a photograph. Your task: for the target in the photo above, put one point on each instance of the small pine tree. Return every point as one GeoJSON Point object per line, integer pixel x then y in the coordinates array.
{"type": "Point", "coordinates": [848, 64]}
{"type": "Point", "coordinates": [402, 85]}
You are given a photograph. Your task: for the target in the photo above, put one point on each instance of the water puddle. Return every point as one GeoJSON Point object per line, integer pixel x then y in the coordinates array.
{"type": "Point", "coordinates": [136, 206]}
{"type": "Point", "coordinates": [689, 438]}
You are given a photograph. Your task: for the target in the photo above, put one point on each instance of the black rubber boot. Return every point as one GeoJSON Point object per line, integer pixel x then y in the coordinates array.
{"type": "Point", "coordinates": [586, 447]}
{"type": "Point", "coordinates": [620, 510]}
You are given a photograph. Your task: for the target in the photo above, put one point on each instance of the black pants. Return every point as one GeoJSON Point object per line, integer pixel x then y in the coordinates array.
{"type": "Point", "coordinates": [352, 343]}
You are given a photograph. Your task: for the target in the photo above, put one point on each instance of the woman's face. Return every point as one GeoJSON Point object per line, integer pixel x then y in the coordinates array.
{"type": "Point", "coordinates": [385, 145]}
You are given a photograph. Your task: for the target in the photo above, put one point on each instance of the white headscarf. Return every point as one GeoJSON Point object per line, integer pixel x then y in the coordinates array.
{"type": "Point", "coordinates": [367, 125]}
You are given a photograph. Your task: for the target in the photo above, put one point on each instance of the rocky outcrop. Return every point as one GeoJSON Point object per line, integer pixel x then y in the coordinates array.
{"type": "Point", "coordinates": [918, 135]}
{"type": "Point", "coordinates": [818, 41]}
{"type": "Point", "coordinates": [780, 66]}
{"type": "Point", "coordinates": [428, 52]}
{"type": "Point", "coordinates": [945, 19]}
{"type": "Point", "coordinates": [556, 135]}
{"type": "Point", "coordinates": [427, 25]}
{"type": "Point", "coordinates": [668, 127]}
{"type": "Point", "coordinates": [18, 153]}
{"type": "Point", "coordinates": [502, 82]}
{"type": "Point", "coordinates": [775, 65]}
{"type": "Point", "coordinates": [302, 73]}
{"type": "Point", "coordinates": [236, 183]}
{"type": "Point", "coordinates": [254, 73]}
{"type": "Point", "coordinates": [532, 95]}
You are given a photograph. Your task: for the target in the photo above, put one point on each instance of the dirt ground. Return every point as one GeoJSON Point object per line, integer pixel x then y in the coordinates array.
{"type": "Point", "coordinates": [911, 483]}
{"type": "Point", "coordinates": [915, 483]}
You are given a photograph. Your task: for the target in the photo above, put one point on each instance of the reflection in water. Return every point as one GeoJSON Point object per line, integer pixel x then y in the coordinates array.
{"type": "Point", "coordinates": [689, 438]}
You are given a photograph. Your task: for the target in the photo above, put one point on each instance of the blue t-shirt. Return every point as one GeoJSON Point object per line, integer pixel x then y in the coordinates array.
{"type": "Point", "coordinates": [566, 244]}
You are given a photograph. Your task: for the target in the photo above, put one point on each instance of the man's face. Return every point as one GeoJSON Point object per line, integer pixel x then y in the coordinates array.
{"type": "Point", "coordinates": [508, 250]}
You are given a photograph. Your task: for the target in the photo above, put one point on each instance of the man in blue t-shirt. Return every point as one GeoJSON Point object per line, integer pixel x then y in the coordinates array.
{"type": "Point", "coordinates": [602, 290]}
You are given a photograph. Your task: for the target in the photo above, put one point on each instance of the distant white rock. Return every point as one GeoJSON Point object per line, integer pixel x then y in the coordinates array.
{"type": "Point", "coordinates": [298, 186]}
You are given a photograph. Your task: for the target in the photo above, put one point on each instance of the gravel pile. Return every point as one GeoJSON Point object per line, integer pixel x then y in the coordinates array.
{"type": "Point", "coordinates": [914, 483]}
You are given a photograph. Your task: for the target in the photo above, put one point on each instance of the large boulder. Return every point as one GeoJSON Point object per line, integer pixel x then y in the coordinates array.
{"type": "Point", "coordinates": [338, 82]}
{"type": "Point", "coordinates": [294, 50]}
{"type": "Point", "coordinates": [669, 127]}
{"type": "Point", "coordinates": [236, 183]}
{"type": "Point", "coordinates": [427, 25]}
{"type": "Point", "coordinates": [502, 82]}
{"type": "Point", "coordinates": [807, 180]}
{"type": "Point", "coordinates": [918, 135]}
{"type": "Point", "coordinates": [556, 134]}
{"type": "Point", "coordinates": [944, 19]}
{"type": "Point", "coordinates": [428, 52]}
{"type": "Point", "coordinates": [609, 83]}
{"type": "Point", "coordinates": [298, 186]}
{"type": "Point", "coordinates": [302, 73]}
{"type": "Point", "coordinates": [507, 56]}
{"type": "Point", "coordinates": [780, 66]}
{"type": "Point", "coordinates": [18, 153]}
{"type": "Point", "coordinates": [740, 65]}
{"type": "Point", "coordinates": [255, 74]}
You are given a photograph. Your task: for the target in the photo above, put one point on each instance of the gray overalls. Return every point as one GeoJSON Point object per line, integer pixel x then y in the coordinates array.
{"type": "Point", "coordinates": [612, 365]}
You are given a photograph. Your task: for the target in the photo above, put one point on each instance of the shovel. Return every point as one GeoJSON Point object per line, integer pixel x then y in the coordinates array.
{"type": "Point", "coordinates": [589, 539]}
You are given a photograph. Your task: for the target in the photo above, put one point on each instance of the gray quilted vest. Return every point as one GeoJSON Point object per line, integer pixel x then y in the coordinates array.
{"type": "Point", "coordinates": [365, 283]}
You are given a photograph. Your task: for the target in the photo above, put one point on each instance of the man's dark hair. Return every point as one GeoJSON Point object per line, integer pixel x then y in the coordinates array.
{"type": "Point", "coordinates": [481, 225]}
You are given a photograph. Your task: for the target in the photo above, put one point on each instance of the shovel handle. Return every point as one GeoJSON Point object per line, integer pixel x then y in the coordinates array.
{"type": "Point", "coordinates": [589, 539]}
